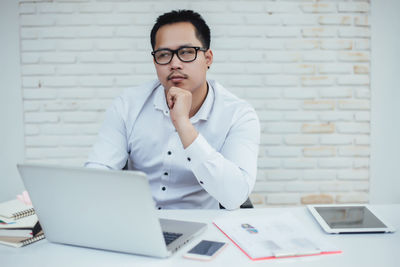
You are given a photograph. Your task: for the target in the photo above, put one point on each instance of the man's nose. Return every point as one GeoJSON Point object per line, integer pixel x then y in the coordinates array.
{"type": "Point", "coordinates": [175, 63]}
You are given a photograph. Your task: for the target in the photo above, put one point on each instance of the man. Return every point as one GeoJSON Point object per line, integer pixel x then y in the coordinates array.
{"type": "Point", "coordinates": [197, 143]}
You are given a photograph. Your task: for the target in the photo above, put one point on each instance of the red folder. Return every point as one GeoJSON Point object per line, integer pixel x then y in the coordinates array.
{"type": "Point", "coordinates": [331, 250]}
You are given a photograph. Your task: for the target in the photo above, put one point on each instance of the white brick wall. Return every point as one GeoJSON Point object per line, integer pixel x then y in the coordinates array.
{"type": "Point", "coordinates": [304, 66]}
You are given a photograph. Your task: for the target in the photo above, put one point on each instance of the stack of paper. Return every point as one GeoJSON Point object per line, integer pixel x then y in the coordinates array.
{"type": "Point", "coordinates": [19, 225]}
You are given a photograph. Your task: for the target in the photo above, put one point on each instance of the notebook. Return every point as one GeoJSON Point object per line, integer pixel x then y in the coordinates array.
{"type": "Point", "coordinates": [24, 227]}
{"type": "Point", "coordinates": [104, 209]}
{"type": "Point", "coordinates": [18, 242]}
{"type": "Point", "coordinates": [15, 209]}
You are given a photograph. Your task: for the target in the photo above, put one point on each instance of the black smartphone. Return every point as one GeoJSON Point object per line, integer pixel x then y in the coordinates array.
{"type": "Point", "coordinates": [205, 250]}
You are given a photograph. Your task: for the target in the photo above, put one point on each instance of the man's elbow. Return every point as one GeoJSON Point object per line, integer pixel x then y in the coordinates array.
{"type": "Point", "coordinates": [234, 202]}
{"type": "Point", "coordinates": [230, 208]}
{"type": "Point", "coordinates": [238, 195]}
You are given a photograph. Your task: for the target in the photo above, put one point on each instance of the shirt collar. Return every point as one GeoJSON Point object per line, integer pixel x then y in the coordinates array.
{"type": "Point", "coordinates": [160, 103]}
{"type": "Point", "coordinates": [204, 112]}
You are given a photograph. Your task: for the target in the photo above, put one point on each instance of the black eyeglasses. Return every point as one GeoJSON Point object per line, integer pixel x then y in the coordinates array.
{"type": "Point", "coordinates": [185, 54]}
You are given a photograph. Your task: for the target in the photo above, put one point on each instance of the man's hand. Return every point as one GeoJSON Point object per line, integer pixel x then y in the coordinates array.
{"type": "Point", "coordinates": [180, 103]}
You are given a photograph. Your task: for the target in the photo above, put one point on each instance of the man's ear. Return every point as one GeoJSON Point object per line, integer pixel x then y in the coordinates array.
{"type": "Point", "coordinates": [209, 57]}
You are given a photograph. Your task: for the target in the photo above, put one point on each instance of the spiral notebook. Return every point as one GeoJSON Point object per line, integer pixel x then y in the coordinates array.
{"type": "Point", "coordinates": [15, 209]}
{"type": "Point", "coordinates": [18, 242]}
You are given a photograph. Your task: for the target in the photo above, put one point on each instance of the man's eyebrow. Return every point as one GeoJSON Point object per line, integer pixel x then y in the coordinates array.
{"type": "Point", "coordinates": [184, 45]}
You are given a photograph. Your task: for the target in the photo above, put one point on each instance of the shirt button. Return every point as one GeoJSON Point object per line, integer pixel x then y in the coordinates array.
{"type": "Point", "coordinates": [163, 188]}
{"type": "Point", "coordinates": [188, 159]}
{"type": "Point", "coordinates": [165, 173]}
{"type": "Point", "coordinates": [169, 152]}
{"type": "Point", "coordinates": [201, 182]}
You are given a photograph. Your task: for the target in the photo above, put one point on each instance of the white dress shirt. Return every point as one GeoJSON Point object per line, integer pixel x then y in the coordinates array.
{"type": "Point", "coordinates": [220, 165]}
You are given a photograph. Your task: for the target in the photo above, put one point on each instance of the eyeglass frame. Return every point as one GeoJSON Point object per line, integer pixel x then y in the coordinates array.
{"type": "Point", "coordinates": [175, 52]}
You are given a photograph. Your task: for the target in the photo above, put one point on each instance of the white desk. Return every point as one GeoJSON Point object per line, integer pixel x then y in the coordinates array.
{"type": "Point", "coordinates": [358, 249]}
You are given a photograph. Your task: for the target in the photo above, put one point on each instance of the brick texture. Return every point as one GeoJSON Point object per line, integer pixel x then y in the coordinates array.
{"type": "Point", "coordinates": [304, 66]}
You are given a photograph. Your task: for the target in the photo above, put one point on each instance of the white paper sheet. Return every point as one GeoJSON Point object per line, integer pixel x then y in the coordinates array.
{"type": "Point", "coordinates": [278, 236]}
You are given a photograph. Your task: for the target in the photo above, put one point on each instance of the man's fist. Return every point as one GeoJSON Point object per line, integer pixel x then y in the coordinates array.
{"type": "Point", "coordinates": [179, 102]}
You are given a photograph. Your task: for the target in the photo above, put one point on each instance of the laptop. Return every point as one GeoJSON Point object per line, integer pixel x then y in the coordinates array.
{"type": "Point", "coordinates": [103, 209]}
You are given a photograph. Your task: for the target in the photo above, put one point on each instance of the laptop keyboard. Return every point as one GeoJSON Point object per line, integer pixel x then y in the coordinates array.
{"type": "Point", "coordinates": [170, 237]}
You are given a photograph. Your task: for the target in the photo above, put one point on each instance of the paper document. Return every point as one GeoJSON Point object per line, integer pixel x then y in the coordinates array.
{"type": "Point", "coordinates": [263, 237]}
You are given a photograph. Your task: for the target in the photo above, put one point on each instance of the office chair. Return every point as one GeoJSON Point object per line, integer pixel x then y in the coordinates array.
{"type": "Point", "coordinates": [246, 205]}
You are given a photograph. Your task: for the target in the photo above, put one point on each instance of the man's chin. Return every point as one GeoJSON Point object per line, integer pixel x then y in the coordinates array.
{"type": "Point", "coordinates": [178, 83]}
{"type": "Point", "coordinates": [181, 84]}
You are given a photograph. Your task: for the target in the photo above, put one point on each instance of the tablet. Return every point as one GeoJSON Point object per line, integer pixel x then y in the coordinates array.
{"type": "Point", "coordinates": [355, 218]}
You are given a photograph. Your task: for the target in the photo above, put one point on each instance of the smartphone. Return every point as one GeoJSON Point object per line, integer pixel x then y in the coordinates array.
{"type": "Point", "coordinates": [205, 250]}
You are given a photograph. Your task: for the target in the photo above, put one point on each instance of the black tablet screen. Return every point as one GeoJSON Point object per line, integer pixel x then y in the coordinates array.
{"type": "Point", "coordinates": [349, 217]}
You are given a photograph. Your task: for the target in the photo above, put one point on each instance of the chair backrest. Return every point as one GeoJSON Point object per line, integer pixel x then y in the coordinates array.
{"type": "Point", "coordinates": [246, 205]}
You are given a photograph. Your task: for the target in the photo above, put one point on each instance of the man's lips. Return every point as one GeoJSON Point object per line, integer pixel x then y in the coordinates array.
{"type": "Point", "coordinates": [174, 77]}
{"type": "Point", "coordinates": [177, 79]}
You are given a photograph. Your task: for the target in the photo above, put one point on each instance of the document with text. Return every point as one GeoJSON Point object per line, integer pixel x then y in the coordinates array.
{"type": "Point", "coordinates": [268, 237]}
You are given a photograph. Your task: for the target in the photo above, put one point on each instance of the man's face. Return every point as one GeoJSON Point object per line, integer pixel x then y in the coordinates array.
{"type": "Point", "coordinates": [186, 75]}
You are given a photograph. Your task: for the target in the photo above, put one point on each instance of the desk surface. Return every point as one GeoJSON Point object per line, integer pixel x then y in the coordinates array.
{"type": "Point", "coordinates": [358, 249]}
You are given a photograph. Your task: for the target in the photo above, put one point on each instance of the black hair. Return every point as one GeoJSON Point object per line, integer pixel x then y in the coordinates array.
{"type": "Point", "coordinates": [175, 16]}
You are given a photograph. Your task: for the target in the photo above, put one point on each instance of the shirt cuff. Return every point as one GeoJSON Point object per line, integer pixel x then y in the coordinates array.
{"type": "Point", "coordinates": [198, 151]}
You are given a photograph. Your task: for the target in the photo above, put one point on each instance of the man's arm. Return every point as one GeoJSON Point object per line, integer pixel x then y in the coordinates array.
{"type": "Point", "coordinates": [228, 175]}
{"type": "Point", "coordinates": [111, 149]}
{"type": "Point", "coordinates": [180, 102]}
